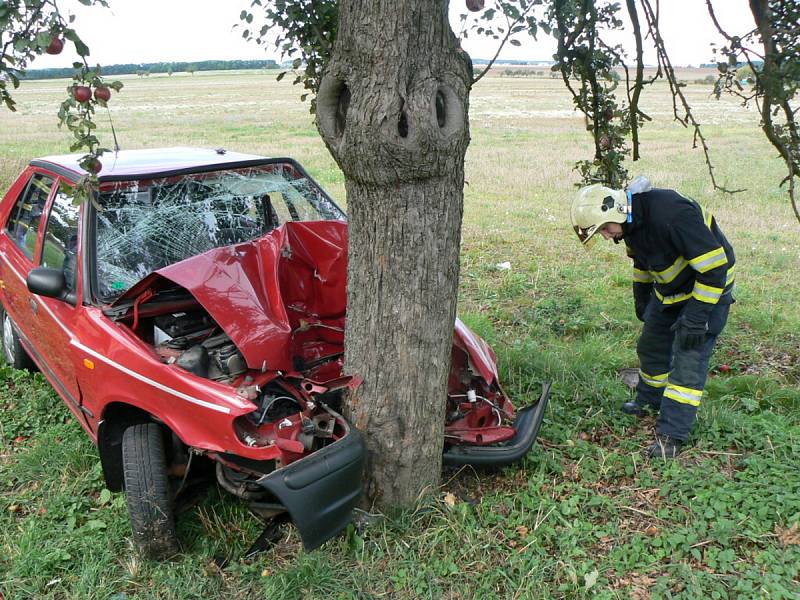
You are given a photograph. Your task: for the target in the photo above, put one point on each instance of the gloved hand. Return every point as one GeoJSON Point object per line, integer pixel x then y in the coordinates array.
{"type": "Point", "coordinates": [642, 293]}
{"type": "Point", "coordinates": [690, 335]}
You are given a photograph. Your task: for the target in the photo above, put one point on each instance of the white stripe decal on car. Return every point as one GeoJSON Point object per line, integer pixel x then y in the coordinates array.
{"type": "Point", "coordinates": [74, 342]}
{"type": "Point", "coordinates": [155, 384]}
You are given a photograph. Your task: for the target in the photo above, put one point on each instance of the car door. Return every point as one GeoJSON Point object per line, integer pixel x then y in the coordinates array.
{"type": "Point", "coordinates": [57, 320]}
{"type": "Point", "coordinates": [19, 242]}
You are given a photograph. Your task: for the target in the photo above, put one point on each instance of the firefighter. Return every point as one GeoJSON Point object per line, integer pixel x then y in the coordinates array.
{"type": "Point", "coordinates": [683, 270]}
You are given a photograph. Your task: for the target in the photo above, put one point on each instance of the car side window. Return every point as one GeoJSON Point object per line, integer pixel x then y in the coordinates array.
{"type": "Point", "coordinates": [26, 216]}
{"type": "Point", "coordinates": [60, 246]}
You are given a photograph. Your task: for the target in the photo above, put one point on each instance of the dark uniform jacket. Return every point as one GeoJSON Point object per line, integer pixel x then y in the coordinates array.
{"type": "Point", "coordinates": [679, 252]}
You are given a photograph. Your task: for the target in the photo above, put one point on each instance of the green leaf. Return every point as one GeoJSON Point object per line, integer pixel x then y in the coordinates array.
{"type": "Point", "coordinates": [43, 39]}
{"type": "Point", "coordinates": [105, 496]}
{"type": "Point", "coordinates": [81, 48]}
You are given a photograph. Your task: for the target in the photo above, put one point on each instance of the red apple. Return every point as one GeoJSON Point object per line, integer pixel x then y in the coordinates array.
{"type": "Point", "coordinates": [82, 93]}
{"type": "Point", "coordinates": [93, 166]}
{"type": "Point", "coordinates": [475, 5]}
{"type": "Point", "coordinates": [102, 94]}
{"type": "Point", "coordinates": [724, 368]}
{"type": "Point", "coordinates": [56, 46]}
{"type": "Point", "coordinates": [604, 142]}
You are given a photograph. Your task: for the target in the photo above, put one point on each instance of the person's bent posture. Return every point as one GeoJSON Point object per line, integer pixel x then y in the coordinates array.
{"type": "Point", "coordinates": [682, 283]}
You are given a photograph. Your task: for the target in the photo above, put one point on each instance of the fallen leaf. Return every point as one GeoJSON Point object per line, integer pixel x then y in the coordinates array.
{"type": "Point", "coordinates": [522, 531]}
{"type": "Point", "coordinates": [265, 573]}
{"type": "Point", "coordinates": [450, 499]}
{"type": "Point", "coordinates": [789, 536]}
{"type": "Point", "coordinates": [590, 579]}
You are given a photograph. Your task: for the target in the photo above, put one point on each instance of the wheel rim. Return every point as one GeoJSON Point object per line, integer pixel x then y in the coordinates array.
{"type": "Point", "coordinates": [8, 339]}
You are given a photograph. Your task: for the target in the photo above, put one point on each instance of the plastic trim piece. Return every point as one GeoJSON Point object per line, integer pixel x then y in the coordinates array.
{"type": "Point", "coordinates": [321, 490]}
{"type": "Point", "coordinates": [526, 423]}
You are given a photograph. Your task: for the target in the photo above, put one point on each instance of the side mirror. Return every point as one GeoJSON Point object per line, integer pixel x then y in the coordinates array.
{"type": "Point", "coordinates": [51, 283]}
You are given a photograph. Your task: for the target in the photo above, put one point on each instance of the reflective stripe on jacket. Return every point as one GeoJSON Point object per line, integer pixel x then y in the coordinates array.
{"type": "Point", "coordinates": [678, 248]}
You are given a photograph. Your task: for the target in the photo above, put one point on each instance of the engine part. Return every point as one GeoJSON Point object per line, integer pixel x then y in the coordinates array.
{"type": "Point", "coordinates": [275, 407]}
{"type": "Point", "coordinates": [238, 483]}
{"type": "Point", "coordinates": [195, 360]}
{"type": "Point", "coordinates": [180, 324]}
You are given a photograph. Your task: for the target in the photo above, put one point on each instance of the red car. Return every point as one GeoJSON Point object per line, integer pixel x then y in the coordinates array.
{"type": "Point", "coordinates": [195, 310]}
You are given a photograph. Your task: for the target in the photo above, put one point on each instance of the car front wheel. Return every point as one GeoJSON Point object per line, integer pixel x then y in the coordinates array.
{"type": "Point", "coordinates": [13, 352]}
{"type": "Point", "coordinates": [150, 502]}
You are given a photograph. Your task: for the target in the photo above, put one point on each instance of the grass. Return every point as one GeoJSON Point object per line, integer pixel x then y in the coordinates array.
{"type": "Point", "coordinates": [582, 515]}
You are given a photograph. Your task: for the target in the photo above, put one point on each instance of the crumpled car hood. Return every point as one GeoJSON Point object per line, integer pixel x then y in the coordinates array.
{"type": "Point", "coordinates": [247, 288]}
{"type": "Point", "coordinates": [259, 291]}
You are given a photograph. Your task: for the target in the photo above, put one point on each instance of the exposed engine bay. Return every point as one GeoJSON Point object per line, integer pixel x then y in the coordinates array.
{"type": "Point", "coordinates": [194, 342]}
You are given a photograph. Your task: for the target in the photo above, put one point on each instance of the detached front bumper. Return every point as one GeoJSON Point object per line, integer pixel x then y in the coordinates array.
{"type": "Point", "coordinates": [321, 490]}
{"type": "Point", "coordinates": [527, 424]}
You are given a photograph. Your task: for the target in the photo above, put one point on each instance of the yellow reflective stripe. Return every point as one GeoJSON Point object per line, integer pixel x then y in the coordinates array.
{"type": "Point", "coordinates": [672, 299]}
{"type": "Point", "coordinates": [706, 293]}
{"type": "Point", "coordinates": [657, 381]}
{"type": "Point", "coordinates": [642, 276]}
{"type": "Point", "coordinates": [683, 395]}
{"type": "Point", "coordinates": [707, 217]}
{"type": "Point", "coordinates": [670, 273]}
{"type": "Point", "coordinates": [730, 276]}
{"type": "Point", "coordinates": [709, 260]}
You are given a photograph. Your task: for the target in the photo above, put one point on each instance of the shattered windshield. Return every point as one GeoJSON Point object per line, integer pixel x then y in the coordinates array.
{"type": "Point", "coordinates": [146, 225]}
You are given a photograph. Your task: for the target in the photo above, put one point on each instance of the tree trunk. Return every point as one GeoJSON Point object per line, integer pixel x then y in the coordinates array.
{"type": "Point", "coordinates": [392, 109]}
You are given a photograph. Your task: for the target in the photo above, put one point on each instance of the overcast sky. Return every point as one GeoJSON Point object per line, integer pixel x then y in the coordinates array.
{"type": "Point", "coordinates": [141, 31]}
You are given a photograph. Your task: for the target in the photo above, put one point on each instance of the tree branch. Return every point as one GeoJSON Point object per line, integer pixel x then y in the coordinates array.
{"type": "Point", "coordinates": [677, 94]}
{"type": "Point", "coordinates": [633, 101]}
{"type": "Point", "coordinates": [768, 81]}
{"type": "Point", "coordinates": [508, 35]}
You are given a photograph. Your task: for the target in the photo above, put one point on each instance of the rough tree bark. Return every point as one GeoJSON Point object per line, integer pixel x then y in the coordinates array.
{"type": "Point", "coordinates": [392, 109]}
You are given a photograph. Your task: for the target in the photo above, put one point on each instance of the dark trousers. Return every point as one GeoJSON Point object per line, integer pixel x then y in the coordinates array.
{"type": "Point", "coordinates": [671, 379]}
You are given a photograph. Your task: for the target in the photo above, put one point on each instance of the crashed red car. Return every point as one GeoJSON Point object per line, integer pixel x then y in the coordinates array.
{"type": "Point", "coordinates": [195, 310]}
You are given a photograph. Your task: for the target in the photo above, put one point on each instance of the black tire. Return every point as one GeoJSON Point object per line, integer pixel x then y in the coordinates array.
{"type": "Point", "coordinates": [150, 503]}
{"type": "Point", "coordinates": [13, 352]}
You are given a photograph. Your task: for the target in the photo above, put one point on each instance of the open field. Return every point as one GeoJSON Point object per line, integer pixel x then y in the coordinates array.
{"type": "Point", "coordinates": [583, 515]}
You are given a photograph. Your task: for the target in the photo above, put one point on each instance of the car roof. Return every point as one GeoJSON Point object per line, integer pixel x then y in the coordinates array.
{"type": "Point", "coordinates": [129, 164]}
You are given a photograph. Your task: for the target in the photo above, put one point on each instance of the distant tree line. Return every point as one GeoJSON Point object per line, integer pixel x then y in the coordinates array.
{"type": "Point", "coordinates": [160, 67]}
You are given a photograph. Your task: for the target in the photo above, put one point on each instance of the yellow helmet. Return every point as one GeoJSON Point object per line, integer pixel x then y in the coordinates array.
{"type": "Point", "coordinates": [594, 206]}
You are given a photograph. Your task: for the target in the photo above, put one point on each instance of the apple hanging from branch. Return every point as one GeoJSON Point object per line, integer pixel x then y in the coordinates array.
{"type": "Point", "coordinates": [82, 93]}
{"type": "Point", "coordinates": [102, 94]}
{"type": "Point", "coordinates": [56, 46]}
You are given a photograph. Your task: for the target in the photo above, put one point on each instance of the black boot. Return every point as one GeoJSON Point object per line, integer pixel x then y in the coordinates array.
{"type": "Point", "coordinates": [640, 409]}
{"type": "Point", "coordinates": [664, 447]}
